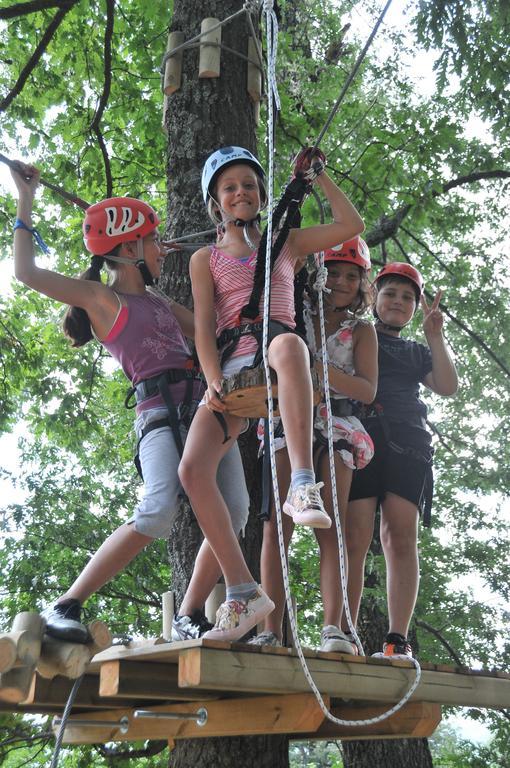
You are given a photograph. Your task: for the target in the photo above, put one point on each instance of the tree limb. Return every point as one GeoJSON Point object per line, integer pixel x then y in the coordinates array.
{"type": "Point", "coordinates": [22, 9]}
{"type": "Point", "coordinates": [103, 101]}
{"type": "Point", "coordinates": [37, 54]}
{"type": "Point", "coordinates": [153, 748]}
{"type": "Point", "coordinates": [442, 640]}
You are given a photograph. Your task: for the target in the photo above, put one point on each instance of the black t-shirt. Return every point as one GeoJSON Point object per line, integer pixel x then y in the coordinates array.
{"type": "Point", "coordinates": [403, 365]}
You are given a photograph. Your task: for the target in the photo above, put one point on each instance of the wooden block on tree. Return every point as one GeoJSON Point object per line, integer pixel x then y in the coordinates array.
{"type": "Point", "coordinates": [173, 66]}
{"type": "Point", "coordinates": [229, 717]}
{"type": "Point", "coordinates": [210, 51]}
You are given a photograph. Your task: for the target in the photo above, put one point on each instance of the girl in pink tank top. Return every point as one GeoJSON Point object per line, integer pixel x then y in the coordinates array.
{"type": "Point", "coordinates": [222, 280]}
{"type": "Point", "coordinates": [145, 332]}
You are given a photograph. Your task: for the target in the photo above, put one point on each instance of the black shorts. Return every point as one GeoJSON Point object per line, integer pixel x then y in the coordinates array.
{"type": "Point", "coordinates": [402, 472]}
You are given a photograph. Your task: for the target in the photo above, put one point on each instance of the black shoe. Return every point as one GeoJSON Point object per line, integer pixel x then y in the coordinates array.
{"type": "Point", "coordinates": [190, 627]}
{"type": "Point", "coordinates": [63, 622]}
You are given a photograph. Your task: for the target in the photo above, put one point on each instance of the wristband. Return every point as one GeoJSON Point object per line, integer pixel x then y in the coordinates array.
{"type": "Point", "coordinates": [19, 224]}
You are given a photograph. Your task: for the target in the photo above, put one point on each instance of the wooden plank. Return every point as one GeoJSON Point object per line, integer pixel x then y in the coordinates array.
{"type": "Point", "coordinates": [139, 680]}
{"type": "Point", "coordinates": [416, 719]}
{"type": "Point", "coordinates": [230, 717]}
{"type": "Point", "coordinates": [265, 673]}
{"type": "Point", "coordinates": [51, 695]}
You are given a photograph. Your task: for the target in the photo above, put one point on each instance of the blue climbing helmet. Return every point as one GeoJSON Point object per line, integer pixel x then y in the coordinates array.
{"type": "Point", "coordinates": [220, 159]}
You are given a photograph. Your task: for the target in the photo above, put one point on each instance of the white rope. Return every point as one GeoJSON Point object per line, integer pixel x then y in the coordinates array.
{"type": "Point", "coordinates": [271, 36]}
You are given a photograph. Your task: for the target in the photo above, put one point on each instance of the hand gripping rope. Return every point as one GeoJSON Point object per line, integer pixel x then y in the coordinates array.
{"type": "Point", "coordinates": [271, 31]}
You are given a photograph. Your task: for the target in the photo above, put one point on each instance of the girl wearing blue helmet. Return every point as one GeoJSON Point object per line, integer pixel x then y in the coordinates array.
{"type": "Point", "coordinates": [222, 280]}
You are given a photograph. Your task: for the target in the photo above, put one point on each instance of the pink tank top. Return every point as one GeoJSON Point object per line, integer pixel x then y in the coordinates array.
{"type": "Point", "coordinates": [233, 283]}
{"type": "Point", "coordinates": [146, 340]}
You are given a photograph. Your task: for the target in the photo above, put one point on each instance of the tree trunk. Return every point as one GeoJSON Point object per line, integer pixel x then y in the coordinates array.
{"type": "Point", "coordinates": [202, 115]}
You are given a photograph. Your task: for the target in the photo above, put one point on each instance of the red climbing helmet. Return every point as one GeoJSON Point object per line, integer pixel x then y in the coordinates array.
{"type": "Point", "coordinates": [354, 251]}
{"type": "Point", "coordinates": [117, 220]}
{"type": "Point", "coordinates": [403, 270]}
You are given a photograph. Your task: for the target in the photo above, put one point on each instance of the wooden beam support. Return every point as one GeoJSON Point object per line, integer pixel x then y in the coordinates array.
{"type": "Point", "coordinates": [416, 720]}
{"type": "Point", "coordinates": [141, 680]}
{"type": "Point", "coordinates": [51, 695]}
{"type": "Point", "coordinates": [340, 677]}
{"type": "Point", "coordinates": [230, 717]}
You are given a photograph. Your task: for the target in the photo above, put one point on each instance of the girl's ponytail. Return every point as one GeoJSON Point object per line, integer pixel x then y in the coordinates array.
{"type": "Point", "coordinates": [76, 323]}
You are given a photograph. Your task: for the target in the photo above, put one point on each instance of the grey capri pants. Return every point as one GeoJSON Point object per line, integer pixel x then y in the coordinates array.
{"type": "Point", "coordinates": [156, 513]}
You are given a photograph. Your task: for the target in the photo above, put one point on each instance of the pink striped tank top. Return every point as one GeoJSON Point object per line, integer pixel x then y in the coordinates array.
{"type": "Point", "coordinates": [233, 283]}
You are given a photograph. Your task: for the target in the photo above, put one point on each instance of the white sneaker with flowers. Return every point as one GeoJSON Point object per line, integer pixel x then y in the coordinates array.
{"type": "Point", "coordinates": [234, 618]}
{"type": "Point", "coordinates": [305, 506]}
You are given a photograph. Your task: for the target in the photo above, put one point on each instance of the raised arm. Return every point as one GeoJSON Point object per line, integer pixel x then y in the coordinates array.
{"type": "Point", "coordinates": [346, 224]}
{"type": "Point", "coordinates": [77, 293]}
{"type": "Point", "coordinates": [442, 379]}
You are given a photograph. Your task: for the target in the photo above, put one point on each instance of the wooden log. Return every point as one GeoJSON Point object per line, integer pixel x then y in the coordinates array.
{"type": "Point", "coordinates": [229, 717]}
{"type": "Point", "coordinates": [210, 55]}
{"type": "Point", "coordinates": [25, 637]}
{"type": "Point", "coordinates": [254, 76]}
{"type": "Point", "coordinates": [66, 659]}
{"type": "Point", "coordinates": [416, 720]}
{"type": "Point", "coordinates": [15, 684]}
{"type": "Point", "coordinates": [8, 652]}
{"type": "Point", "coordinates": [173, 65]}
{"type": "Point", "coordinates": [101, 637]}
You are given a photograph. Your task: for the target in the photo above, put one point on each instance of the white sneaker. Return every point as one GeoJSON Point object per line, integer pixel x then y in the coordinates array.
{"type": "Point", "coordinates": [265, 638]}
{"type": "Point", "coordinates": [305, 506]}
{"type": "Point", "coordinates": [234, 618]}
{"type": "Point", "coordinates": [333, 639]}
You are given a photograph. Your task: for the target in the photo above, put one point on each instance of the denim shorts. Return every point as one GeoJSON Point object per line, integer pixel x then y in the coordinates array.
{"type": "Point", "coordinates": [156, 513]}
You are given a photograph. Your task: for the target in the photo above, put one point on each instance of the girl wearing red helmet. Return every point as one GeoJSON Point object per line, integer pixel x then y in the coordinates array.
{"type": "Point", "coordinates": [399, 477]}
{"type": "Point", "coordinates": [351, 347]}
{"type": "Point", "coordinates": [145, 332]}
{"type": "Point", "coordinates": [222, 281]}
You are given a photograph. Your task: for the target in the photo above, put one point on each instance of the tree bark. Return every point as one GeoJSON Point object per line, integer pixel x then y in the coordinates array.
{"type": "Point", "coordinates": [202, 115]}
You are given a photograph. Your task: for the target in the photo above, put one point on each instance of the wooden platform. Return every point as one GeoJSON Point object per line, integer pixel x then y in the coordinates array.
{"type": "Point", "coordinates": [250, 690]}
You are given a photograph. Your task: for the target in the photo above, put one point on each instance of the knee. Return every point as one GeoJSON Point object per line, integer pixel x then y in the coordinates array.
{"type": "Point", "coordinates": [397, 542]}
{"type": "Point", "coordinates": [189, 474]}
{"type": "Point", "coordinates": [357, 541]}
{"type": "Point", "coordinates": [286, 350]}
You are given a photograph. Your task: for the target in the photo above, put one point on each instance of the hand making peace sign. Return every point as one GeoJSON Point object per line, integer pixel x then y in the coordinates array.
{"type": "Point", "coordinates": [432, 316]}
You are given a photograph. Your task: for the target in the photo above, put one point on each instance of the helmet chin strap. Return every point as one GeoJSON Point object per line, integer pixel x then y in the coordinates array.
{"type": "Point", "coordinates": [227, 219]}
{"type": "Point", "coordinates": [387, 326]}
{"type": "Point", "coordinates": [140, 262]}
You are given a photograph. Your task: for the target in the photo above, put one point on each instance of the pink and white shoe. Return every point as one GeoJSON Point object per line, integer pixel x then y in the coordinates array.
{"type": "Point", "coordinates": [234, 618]}
{"type": "Point", "coordinates": [305, 506]}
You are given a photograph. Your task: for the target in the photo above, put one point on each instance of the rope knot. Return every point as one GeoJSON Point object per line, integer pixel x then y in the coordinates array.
{"type": "Point", "coordinates": [320, 279]}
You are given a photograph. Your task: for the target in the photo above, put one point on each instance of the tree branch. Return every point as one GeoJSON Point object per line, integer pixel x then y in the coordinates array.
{"type": "Point", "coordinates": [22, 9]}
{"type": "Point", "coordinates": [153, 748]}
{"type": "Point", "coordinates": [103, 101]}
{"type": "Point", "coordinates": [442, 640]}
{"type": "Point", "coordinates": [460, 323]}
{"type": "Point", "coordinates": [389, 225]}
{"type": "Point", "coordinates": [34, 59]}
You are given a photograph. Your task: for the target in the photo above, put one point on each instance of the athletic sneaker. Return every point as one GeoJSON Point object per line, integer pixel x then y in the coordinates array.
{"type": "Point", "coordinates": [190, 627]}
{"type": "Point", "coordinates": [333, 639]}
{"type": "Point", "coordinates": [395, 647]}
{"type": "Point", "coordinates": [63, 622]}
{"type": "Point", "coordinates": [265, 638]}
{"type": "Point", "coordinates": [304, 505]}
{"type": "Point", "coordinates": [234, 618]}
